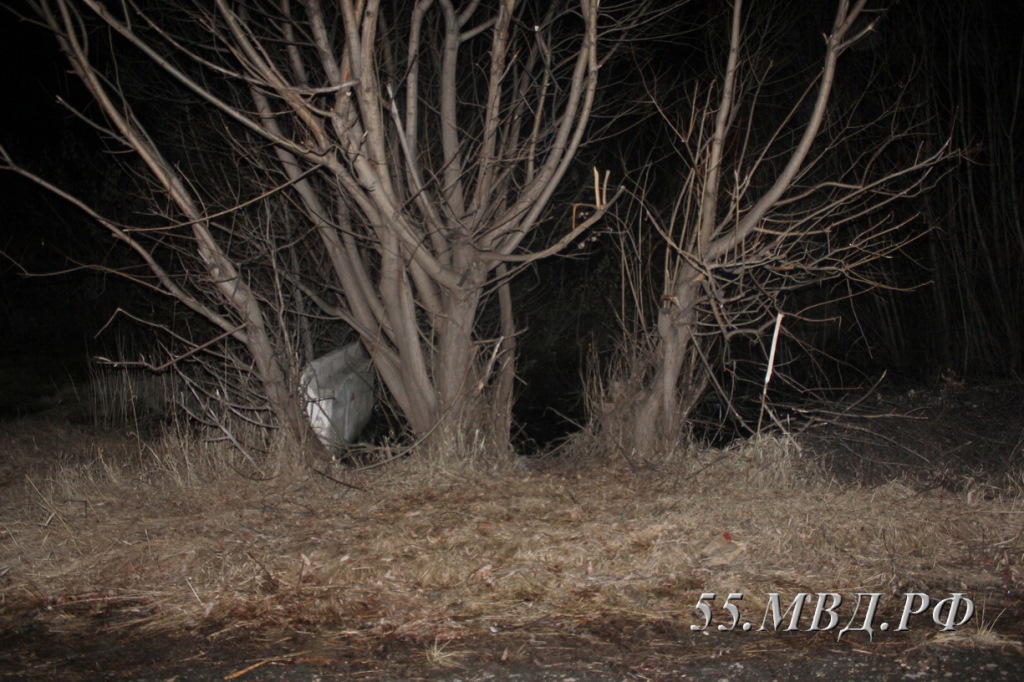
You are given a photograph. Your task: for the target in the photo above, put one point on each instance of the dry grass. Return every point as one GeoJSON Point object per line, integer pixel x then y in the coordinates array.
{"type": "Point", "coordinates": [118, 395]}
{"type": "Point", "coordinates": [165, 535]}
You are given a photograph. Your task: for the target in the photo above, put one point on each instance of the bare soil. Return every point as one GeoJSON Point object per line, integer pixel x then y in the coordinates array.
{"type": "Point", "coordinates": [129, 559]}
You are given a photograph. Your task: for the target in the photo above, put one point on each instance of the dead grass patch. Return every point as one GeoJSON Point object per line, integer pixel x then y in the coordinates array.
{"type": "Point", "coordinates": [435, 555]}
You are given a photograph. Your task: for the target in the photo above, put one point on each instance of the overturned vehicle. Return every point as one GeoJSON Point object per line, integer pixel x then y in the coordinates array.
{"type": "Point", "coordinates": [339, 392]}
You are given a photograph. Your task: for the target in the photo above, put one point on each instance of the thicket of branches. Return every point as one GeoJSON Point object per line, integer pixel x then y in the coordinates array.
{"type": "Point", "coordinates": [792, 181]}
{"type": "Point", "coordinates": [387, 167]}
{"type": "Point", "coordinates": [377, 165]}
{"type": "Point", "coordinates": [971, 80]}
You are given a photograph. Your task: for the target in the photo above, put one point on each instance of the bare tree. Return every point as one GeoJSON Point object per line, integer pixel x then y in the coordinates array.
{"type": "Point", "coordinates": [759, 213]}
{"type": "Point", "coordinates": [380, 164]}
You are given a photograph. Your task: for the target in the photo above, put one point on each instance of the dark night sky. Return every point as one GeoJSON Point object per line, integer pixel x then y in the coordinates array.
{"type": "Point", "coordinates": [32, 70]}
{"type": "Point", "coordinates": [37, 132]}
{"type": "Point", "coordinates": [29, 67]}
{"type": "Point", "coordinates": [36, 228]}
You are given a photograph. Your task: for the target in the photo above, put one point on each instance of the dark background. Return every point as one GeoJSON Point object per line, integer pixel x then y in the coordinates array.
{"type": "Point", "coordinates": [565, 304]}
{"type": "Point", "coordinates": [39, 232]}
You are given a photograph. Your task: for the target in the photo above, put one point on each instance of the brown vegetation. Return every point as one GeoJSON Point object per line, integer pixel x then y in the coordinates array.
{"type": "Point", "coordinates": [149, 537]}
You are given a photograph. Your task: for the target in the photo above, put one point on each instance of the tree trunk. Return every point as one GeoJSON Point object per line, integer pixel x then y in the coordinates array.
{"type": "Point", "coordinates": [663, 406]}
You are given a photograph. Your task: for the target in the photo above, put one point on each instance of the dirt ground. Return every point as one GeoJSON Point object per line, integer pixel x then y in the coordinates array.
{"type": "Point", "coordinates": [124, 558]}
